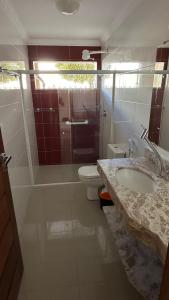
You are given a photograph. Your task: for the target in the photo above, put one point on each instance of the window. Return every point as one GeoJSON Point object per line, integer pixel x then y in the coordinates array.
{"type": "Point", "coordinates": [159, 66]}
{"type": "Point", "coordinates": [58, 81]}
{"type": "Point", "coordinates": [8, 82]}
{"type": "Point", "coordinates": [123, 80]}
{"type": "Point", "coordinates": [134, 80]}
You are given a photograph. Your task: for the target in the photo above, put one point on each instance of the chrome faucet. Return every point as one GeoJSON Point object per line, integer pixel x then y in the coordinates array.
{"type": "Point", "coordinates": [132, 147]}
{"type": "Point", "coordinates": [144, 136]}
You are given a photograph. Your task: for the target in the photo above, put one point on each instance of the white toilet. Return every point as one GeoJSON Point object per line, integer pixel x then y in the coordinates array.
{"type": "Point", "coordinates": [90, 176]}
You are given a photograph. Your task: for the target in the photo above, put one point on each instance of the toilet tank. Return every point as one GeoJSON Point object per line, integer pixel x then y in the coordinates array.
{"type": "Point", "coordinates": [116, 150]}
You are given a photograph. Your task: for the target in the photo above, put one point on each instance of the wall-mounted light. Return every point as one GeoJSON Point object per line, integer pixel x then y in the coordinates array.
{"type": "Point", "coordinates": [68, 7]}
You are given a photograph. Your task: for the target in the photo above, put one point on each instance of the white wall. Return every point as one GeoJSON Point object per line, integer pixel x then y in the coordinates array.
{"type": "Point", "coordinates": [30, 122]}
{"type": "Point", "coordinates": [13, 132]}
{"type": "Point", "coordinates": [132, 104]}
{"type": "Point", "coordinates": [105, 120]}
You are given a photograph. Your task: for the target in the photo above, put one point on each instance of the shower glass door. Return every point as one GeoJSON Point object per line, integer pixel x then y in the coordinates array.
{"type": "Point", "coordinates": [67, 120]}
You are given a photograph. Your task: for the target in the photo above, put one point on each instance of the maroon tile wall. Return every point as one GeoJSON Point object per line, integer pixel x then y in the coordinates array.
{"type": "Point", "coordinates": [1, 141]}
{"type": "Point", "coordinates": [47, 127]}
{"type": "Point", "coordinates": [57, 143]}
{"type": "Point", "coordinates": [157, 99]}
{"type": "Point", "coordinates": [70, 53]}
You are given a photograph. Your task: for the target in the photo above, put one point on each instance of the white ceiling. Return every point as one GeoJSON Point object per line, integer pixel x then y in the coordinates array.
{"type": "Point", "coordinates": [120, 22]}
{"type": "Point", "coordinates": [147, 25]}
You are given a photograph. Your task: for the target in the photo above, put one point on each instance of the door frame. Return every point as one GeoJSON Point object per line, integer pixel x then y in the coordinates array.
{"type": "Point", "coordinates": [164, 291]}
{"type": "Point", "coordinates": [12, 271]}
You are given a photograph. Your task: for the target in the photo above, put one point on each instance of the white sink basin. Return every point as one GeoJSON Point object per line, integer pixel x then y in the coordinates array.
{"type": "Point", "coordinates": [135, 180]}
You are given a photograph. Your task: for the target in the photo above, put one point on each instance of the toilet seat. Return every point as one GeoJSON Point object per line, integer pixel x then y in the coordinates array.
{"type": "Point", "coordinates": [88, 172]}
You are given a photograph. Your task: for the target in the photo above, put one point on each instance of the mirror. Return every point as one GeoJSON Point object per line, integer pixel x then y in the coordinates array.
{"type": "Point", "coordinates": [164, 122]}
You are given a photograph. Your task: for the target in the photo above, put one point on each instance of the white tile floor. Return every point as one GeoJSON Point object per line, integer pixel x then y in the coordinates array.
{"type": "Point", "coordinates": [58, 173]}
{"type": "Point", "coordinates": [68, 250]}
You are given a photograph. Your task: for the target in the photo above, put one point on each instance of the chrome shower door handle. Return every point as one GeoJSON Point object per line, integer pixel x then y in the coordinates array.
{"type": "Point", "coordinates": [85, 122]}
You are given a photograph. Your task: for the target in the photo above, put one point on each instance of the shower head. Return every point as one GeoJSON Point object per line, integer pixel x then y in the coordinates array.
{"type": "Point", "coordinates": [86, 53]}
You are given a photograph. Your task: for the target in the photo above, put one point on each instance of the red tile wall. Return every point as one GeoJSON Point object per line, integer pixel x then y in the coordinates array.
{"type": "Point", "coordinates": [53, 147]}
{"type": "Point", "coordinates": [157, 99]}
{"type": "Point", "coordinates": [47, 127]}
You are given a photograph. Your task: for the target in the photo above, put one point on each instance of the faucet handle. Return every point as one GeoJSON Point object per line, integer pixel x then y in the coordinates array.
{"type": "Point", "coordinates": [144, 134]}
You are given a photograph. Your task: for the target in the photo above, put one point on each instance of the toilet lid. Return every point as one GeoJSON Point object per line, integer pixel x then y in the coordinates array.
{"type": "Point", "coordinates": [89, 172]}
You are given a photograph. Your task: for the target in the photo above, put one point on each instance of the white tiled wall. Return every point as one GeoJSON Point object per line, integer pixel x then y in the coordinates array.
{"type": "Point", "coordinates": [132, 104]}
{"type": "Point", "coordinates": [14, 138]}
{"type": "Point", "coordinates": [30, 121]}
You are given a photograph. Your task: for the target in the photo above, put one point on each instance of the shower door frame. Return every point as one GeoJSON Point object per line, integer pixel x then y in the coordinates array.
{"type": "Point", "coordinates": [100, 73]}
{"type": "Point", "coordinates": [164, 290]}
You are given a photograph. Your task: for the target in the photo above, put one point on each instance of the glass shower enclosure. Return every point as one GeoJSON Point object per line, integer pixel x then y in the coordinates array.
{"type": "Point", "coordinates": [67, 120]}
{"type": "Point", "coordinates": [68, 107]}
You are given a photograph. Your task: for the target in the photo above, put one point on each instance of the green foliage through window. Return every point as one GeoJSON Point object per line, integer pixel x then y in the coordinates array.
{"type": "Point", "coordinates": [8, 82]}
{"type": "Point", "coordinates": [65, 81]}
{"type": "Point", "coordinates": [11, 65]}
{"type": "Point", "coordinates": [81, 78]}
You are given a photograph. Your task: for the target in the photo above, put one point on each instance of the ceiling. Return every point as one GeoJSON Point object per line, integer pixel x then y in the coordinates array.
{"type": "Point", "coordinates": [117, 22]}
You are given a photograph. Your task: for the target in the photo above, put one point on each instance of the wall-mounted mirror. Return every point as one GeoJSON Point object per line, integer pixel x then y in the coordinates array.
{"type": "Point", "coordinates": [164, 121]}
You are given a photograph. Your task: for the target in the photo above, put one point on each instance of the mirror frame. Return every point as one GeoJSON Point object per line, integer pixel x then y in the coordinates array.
{"type": "Point", "coordinates": [164, 291]}
{"type": "Point", "coordinates": [157, 99]}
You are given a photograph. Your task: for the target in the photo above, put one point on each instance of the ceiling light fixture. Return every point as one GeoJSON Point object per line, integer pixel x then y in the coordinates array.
{"type": "Point", "coordinates": [68, 7]}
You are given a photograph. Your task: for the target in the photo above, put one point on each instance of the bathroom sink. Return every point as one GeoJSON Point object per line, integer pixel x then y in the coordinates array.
{"type": "Point", "coordinates": [135, 180]}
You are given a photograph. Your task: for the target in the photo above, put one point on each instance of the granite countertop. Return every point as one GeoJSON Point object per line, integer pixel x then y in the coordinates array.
{"type": "Point", "coordinates": [147, 214]}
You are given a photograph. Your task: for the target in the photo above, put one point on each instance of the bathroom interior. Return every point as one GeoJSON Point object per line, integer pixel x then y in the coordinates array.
{"type": "Point", "coordinates": [84, 114]}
